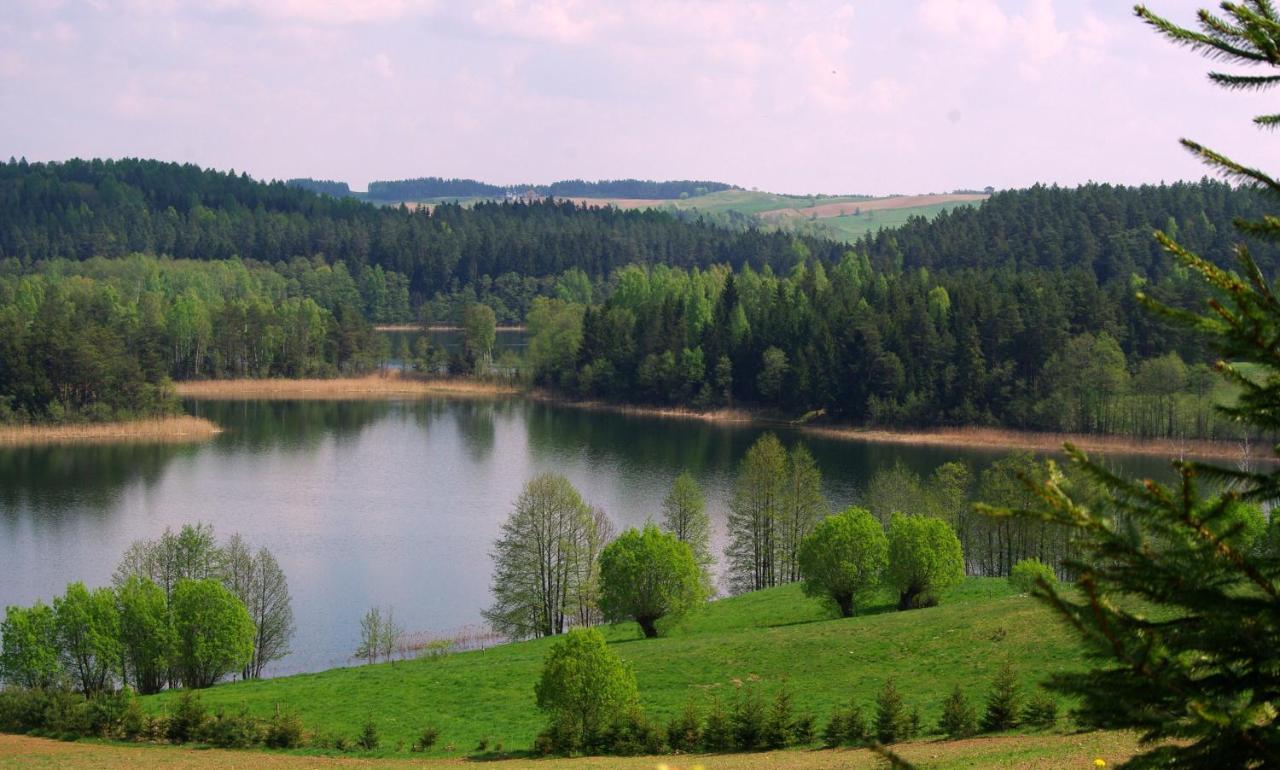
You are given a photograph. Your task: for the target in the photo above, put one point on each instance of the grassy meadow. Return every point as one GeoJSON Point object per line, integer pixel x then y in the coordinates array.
{"type": "Point", "coordinates": [764, 639]}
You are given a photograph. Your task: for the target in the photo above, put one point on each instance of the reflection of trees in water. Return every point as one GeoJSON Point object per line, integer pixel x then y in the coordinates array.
{"type": "Point", "coordinates": [287, 425]}
{"type": "Point", "coordinates": [57, 478]}
{"type": "Point", "coordinates": [657, 443]}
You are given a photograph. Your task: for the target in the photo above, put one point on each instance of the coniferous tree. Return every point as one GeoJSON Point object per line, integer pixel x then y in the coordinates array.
{"type": "Point", "coordinates": [1194, 658]}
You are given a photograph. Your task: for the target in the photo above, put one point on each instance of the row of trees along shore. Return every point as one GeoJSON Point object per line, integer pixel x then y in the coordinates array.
{"type": "Point", "coordinates": [182, 610]}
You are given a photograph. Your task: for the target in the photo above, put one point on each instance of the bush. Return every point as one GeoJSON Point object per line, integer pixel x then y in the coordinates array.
{"type": "Point", "coordinates": [748, 720]}
{"type": "Point", "coordinates": [106, 711]}
{"type": "Point", "coordinates": [1028, 573]}
{"type": "Point", "coordinates": [369, 738]}
{"type": "Point", "coordinates": [1041, 711]}
{"type": "Point", "coordinates": [133, 722]}
{"type": "Point", "coordinates": [66, 715]}
{"type": "Point", "coordinates": [959, 717]}
{"type": "Point", "coordinates": [22, 710]}
{"type": "Point", "coordinates": [187, 716]}
{"type": "Point", "coordinates": [779, 727]}
{"type": "Point", "coordinates": [893, 723]}
{"type": "Point", "coordinates": [718, 734]}
{"type": "Point", "coordinates": [284, 730]}
{"type": "Point", "coordinates": [1002, 703]}
{"type": "Point", "coordinates": [426, 739]}
{"type": "Point", "coordinates": [684, 732]}
{"type": "Point", "coordinates": [585, 687]}
{"type": "Point", "coordinates": [634, 734]}
{"type": "Point", "coordinates": [232, 730]}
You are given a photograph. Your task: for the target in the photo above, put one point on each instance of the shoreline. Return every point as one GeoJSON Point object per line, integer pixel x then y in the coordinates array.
{"type": "Point", "coordinates": [976, 437]}
{"type": "Point", "coordinates": [981, 438]}
{"type": "Point", "coordinates": [340, 389]}
{"type": "Point", "coordinates": [178, 429]}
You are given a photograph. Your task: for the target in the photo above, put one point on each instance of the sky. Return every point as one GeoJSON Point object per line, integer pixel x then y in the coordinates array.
{"type": "Point", "coordinates": [868, 96]}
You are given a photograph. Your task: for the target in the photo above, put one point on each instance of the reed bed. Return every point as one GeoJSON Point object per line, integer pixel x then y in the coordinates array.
{"type": "Point", "coordinates": [180, 429]}
{"type": "Point", "coordinates": [350, 388]}
{"type": "Point", "coordinates": [1005, 440]}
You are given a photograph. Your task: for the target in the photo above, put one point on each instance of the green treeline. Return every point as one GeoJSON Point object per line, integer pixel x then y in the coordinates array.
{"type": "Point", "coordinates": [1029, 349]}
{"type": "Point", "coordinates": [436, 187]}
{"type": "Point", "coordinates": [100, 339]}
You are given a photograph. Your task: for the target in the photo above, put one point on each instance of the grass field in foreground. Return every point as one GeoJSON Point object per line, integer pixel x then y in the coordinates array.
{"type": "Point", "coordinates": [1026, 752]}
{"type": "Point", "coordinates": [761, 639]}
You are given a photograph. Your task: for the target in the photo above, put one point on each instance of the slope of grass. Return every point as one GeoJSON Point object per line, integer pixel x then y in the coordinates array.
{"type": "Point", "coordinates": [764, 640]}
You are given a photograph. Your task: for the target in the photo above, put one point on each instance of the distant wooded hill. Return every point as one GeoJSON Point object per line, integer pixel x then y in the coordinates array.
{"type": "Point", "coordinates": [434, 187]}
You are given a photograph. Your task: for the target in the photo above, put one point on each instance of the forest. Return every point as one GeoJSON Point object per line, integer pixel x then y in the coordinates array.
{"type": "Point", "coordinates": [100, 339]}
{"type": "Point", "coordinates": [1020, 312]}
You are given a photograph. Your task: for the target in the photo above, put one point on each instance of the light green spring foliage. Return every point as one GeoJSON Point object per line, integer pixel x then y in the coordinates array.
{"type": "Point", "coordinates": [648, 575]}
{"type": "Point", "coordinates": [146, 637]}
{"type": "Point", "coordinates": [87, 625]}
{"type": "Point", "coordinates": [753, 516]}
{"type": "Point", "coordinates": [479, 333]}
{"type": "Point", "coordinates": [28, 647]}
{"type": "Point", "coordinates": [925, 559]}
{"type": "Point", "coordinates": [542, 559]}
{"type": "Point", "coordinates": [555, 332]}
{"type": "Point", "coordinates": [1027, 574]}
{"type": "Point", "coordinates": [843, 558]}
{"type": "Point", "coordinates": [684, 514]}
{"type": "Point", "coordinates": [584, 685]}
{"type": "Point", "coordinates": [802, 508]}
{"type": "Point", "coordinates": [214, 632]}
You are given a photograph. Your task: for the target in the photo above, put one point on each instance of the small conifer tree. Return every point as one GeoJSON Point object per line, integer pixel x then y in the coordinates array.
{"type": "Point", "coordinates": [893, 722]}
{"type": "Point", "coordinates": [959, 718]}
{"type": "Point", "coordinates": [1003, 703]}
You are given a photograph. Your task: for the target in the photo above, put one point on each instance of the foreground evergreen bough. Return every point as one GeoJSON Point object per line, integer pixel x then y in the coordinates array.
{"type": "Point", "coordinates": [1180, 619]}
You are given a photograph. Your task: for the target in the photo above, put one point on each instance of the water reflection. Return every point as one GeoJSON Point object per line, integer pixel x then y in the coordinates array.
{"type": "Point", "coordinates": [378, 502]}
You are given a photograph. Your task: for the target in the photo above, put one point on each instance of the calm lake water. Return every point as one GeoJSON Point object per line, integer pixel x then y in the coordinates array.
{"type": "Point", "coordinates": [387, 503]}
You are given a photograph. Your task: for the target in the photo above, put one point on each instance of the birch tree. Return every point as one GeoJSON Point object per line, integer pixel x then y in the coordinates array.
{"type": "Point", "coordinates": [539, 560]}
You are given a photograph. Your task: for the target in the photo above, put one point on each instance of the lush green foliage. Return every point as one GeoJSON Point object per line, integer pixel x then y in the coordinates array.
{"type": "Point", "coordinates": [586, 688]}
{"type": "Point", "coordinates": [101, 338]}
{"type": "Point", "coordinates": [648, 575]}
{"type": "Point", "coordinates": [924, 560]}
{"type": "Point", "coordinates": [1028, 573]}
{"type": "Point", "coordinates": [213, 632]}
{"type": "Point", "coordinates": [843, 557]}
{"type": "Point", "coordinates": [959, 718]}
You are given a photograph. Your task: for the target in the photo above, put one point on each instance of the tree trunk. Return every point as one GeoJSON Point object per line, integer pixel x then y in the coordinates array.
{"type": "Point", "coordinates": [648, 626]}
{"type": "Point", "coordinates": [845, 602]}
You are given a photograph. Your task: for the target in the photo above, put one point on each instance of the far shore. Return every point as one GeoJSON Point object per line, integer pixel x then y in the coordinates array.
{"type": "Point", "coordinates": [183, 428]}
{"type": "Point", "coordinates": [994, 439]}
{"type": "Point", "coordinates": [437, 328]}
{"type": "Point", "coordinates": [392, 386]}
{"type": "Point", "coordinates": [340, 389]}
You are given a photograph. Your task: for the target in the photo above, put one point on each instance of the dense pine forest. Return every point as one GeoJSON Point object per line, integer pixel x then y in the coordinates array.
{"type": "Point", "coordinates": [1020, 312]}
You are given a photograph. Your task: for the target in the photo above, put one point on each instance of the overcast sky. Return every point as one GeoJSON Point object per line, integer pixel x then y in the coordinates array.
{"type": "Point", "coordinates": [869, 96]}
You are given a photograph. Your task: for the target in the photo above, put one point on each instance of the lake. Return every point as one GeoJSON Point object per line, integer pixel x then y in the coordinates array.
{"type": "Point", "coordinates": [387, 503]}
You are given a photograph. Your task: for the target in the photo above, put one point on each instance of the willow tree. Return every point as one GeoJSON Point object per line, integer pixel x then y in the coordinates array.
{"type": "Point", "coordinates": [539, 560]}
{"type": "Point", "coordinates": [1181, 620]}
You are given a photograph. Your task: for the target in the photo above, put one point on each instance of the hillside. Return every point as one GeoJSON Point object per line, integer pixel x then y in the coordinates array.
{"type": "Point", "coordinates": [762, 639]}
